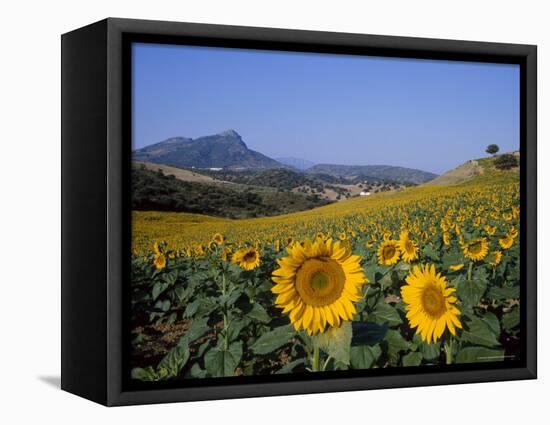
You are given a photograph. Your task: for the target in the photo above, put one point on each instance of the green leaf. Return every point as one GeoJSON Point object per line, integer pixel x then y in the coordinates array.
{"type": "Point", "coordinates": [479, 354]}
{"type": "Point", "coordinates": [386, 281]}
{"type": "Point", "coordinates": [289, 367]}
{"type": "Point", "coordinates": [274, 339]}
{"type": "Point", "coordinates": [506, 293]}
{"type": "Point", "coordinates": [477, 331]}
{"type": "Point", "coordinates": [174, 361]}
{"type": "Point", "coordinates": [181, 293]}
{"type": "Point", "coordinates": [158, 288]}
{"type": "Point", "coordinates": [192, 308]}
{"type": "Point", "coordinates": [430, 352]}
{"type": "Point", "coordinates": [197, 372]}
{"type": "Point", "coordinates": [470, 292]}
{"type": "Point", "coordinates": [206, 306]}
{"type": "Point", "coordinates": [198, 328]}
{"type": "Point", "coordinates": [364, 356]}
{"type": "Point", "coordinates": [258, 313]}
{"type": "Point", "coordinates": [144, 374]}
{"type": "Point", "coordinates": [220, 362]}
{"type": "Point", "coordinates": [368, 333]}
{"type": "Point", "coordinates": [235, 328]}
{"type": "Point", "coordinates": [163, 305]}
{"type": "Point", "coordinates": [170, 278]}
{"type": "Point", "coordinates": [384, 312]}
{"type": "Point", "coordinates": [412, 359]}
{"type": "Point", "coordinates": [230, 299]}
{"type": "Point", "coordinates": [431, 253]}
{"type": "Point", "coordinates": [370, 273]}
{"type": "Point", "coordinates": [492, 322]}
{"type": "Point", "coordinates": [451, 259]}
{"type": "Point", "coordinates": [511, 319]}
{"type": "Point", "coordinates": [336, 342]}
{"type": "Point", "coordinates": [395, 343]}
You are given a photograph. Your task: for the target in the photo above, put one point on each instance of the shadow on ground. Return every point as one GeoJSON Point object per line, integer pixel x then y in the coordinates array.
{"type": "Point", "coordinates": [54, 381]}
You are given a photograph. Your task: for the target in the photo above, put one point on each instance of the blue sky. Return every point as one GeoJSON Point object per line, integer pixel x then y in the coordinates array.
{"type": "Point", "coordinates": [356, 110]}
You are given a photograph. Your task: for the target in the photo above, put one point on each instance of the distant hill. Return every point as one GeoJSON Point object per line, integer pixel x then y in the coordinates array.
{"type": "Point", "coordinates": [298, 163]}
{"type": "Point", "coordinates": [382, 172]}
{"type": "Point", "coordinates": [223, 150]}
{"type": "Point", "coordinates": [325, 186]}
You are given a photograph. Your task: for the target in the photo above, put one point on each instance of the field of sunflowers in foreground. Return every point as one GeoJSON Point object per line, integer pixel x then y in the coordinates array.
{"type": "Point", "coordinates": [424, 276]}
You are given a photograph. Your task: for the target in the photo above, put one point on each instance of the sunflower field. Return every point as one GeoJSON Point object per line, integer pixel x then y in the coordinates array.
{"type": "Point", "coordinates": [428, 275]}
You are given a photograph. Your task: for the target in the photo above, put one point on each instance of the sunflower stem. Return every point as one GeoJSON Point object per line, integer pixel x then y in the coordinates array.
{"type": "Point", "coordinates": [448, 347]}
{"type": "Point", "coordinates": [325, 364]}
{"type": "Point", "coordinates": [225, 318]}
{"type": "Point", "coordinates": [470, 268]}
{"type": "Point", "coordinates": [316, 357]}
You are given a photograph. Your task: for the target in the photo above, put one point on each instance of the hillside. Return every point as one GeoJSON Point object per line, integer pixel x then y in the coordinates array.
{"type": "Point", "coordinates": [155, 191]}
{"type": "Point", "coordinates": [325, 186]}
{"type": "Point", "coordinates": [223, 150]}
{"type": "Point", "coordinates": [471, 169]}
{"type": "Point", "coordinates": [180, 173]}
{"type": "Point", "coordinates": [382, 172]}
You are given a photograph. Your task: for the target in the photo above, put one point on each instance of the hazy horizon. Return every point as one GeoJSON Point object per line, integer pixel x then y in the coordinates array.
{"type": "Point", "coordinates": [325, 108]}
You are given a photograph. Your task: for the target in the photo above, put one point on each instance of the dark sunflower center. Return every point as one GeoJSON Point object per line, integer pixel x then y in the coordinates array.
{"type": "Point", "coordinates": [389, 251]}
{"type": "Point", "coordinates": [475, 247]}
{"type": "Point", "coordinates": [320, 281]}
{"type": "Point", "coordinates": [409, 246]}
{"type": "Point", "coordinates": [433, 302]}
{"type": "Point", "coordinates": [250, 257]}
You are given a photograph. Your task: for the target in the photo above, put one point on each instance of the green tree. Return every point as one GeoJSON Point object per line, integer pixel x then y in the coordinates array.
{"type": "Point", "coordinates": [492, 149]}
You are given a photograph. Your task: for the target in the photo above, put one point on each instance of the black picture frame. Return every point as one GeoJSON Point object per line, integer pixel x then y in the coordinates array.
{"type": "Point", "coordinates": [96, 91]}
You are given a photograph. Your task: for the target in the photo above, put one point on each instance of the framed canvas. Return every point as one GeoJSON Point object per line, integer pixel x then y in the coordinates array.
{"type": "Point", "coordinates": [252, 212]}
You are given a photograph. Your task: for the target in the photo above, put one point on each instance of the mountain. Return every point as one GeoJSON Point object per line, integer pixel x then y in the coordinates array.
{"type": "Point", "coordinates": [298, 163]}
{"type": "Point", "coordinates": [382, 172]}
{"type": "Point", "coordinates": [223, 150]}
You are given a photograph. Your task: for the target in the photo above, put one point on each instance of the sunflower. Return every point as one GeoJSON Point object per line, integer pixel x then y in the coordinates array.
{"type": "Point", "coordinates": [247, 258]}
{"type": "Point", "coordinates": [476, 249]}
{"type": "Point", "coordinates": [225, 253]}
{"type": "Point", "coordinates": [199, 251]}
{"type": "Point", "coordinates": [218, 238]}
{"type": "Point", "coordinates": [407, 246]}
{"type": "Point", "coordinates": [317, 284]}
{"type": "Point", "coordinates": [494, 258]}
{"type": "Point", "coordinates": [156, 248]}
{"type": "Point", "coordinates": [160, 261]}
{"type": "Point", "coordinates": [506, 241]}
{"type": "Point", "coordinates": [490, 229]}
{"type": "Point", "coordinates": [446, 238]}
{"type": "Point", "coordinates": [430, 303]}
{"type": "Point", "coordinates": [456, 267]}
{"type": "Point", "coordinates": [388, 252]}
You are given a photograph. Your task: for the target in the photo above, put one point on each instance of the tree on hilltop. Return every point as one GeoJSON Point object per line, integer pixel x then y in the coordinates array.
{"type": "Point", "coordinates": [492, 149]}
